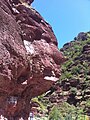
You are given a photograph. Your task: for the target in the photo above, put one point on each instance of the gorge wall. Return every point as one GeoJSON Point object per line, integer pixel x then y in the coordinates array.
{"type": "Point", "coordinates": [29, 57]}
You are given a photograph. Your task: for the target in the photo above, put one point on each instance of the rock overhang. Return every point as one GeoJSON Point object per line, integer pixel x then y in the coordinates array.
{"type": "Point", "coordinates": [30, 60]}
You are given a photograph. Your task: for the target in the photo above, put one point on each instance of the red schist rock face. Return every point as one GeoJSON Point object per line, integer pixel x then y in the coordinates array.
{"type": "Point", "coordinates": [29, 58]}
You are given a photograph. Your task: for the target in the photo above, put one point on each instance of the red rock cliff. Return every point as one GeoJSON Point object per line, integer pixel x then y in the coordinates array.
{"type": "Point", "coordinates": [29, 57]}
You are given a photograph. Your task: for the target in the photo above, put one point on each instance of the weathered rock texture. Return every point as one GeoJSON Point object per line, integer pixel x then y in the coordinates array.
{"type": "Point", "coordinates": [29, 58]}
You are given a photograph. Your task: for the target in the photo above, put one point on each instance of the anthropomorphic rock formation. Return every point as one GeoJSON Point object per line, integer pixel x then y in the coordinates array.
{"type": "Point", "coordinates": [29, 57]}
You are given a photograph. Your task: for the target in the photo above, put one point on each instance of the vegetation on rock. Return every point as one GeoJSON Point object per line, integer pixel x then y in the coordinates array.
{"type": "Point", "coordinates": [69, 99]}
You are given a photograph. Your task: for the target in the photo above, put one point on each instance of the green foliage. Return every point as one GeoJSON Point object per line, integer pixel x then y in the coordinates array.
{"type": "Point", "coordinates": [68, 63]}
{"type": "Point", "coordinates": [65, 111]}
{"type": "Point", "coordinates": [55, 114]}
{"type": "Point", "coordinates": [87, 103]}
{"type": "Point", "coordinates": [77, 68]}
{"type": "Point", "coordinates": [85, 64]}
{"type": "Point", "coordinates": [70, 68]}
{"type": "Point", "coordinates": [42, 107]}
{"type": "Point", "coordinates": [73, 90]}
{"type": "Point", "coordinates": [66, 75]}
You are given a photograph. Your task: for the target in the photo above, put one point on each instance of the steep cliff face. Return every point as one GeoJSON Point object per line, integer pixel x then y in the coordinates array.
{"type": "Point", "coordinates": [29, 58]}
{"type": "Point", "coordinates": [76, 71]}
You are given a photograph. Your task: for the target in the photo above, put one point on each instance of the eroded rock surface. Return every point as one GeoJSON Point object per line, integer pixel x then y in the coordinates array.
{"type": "Point", "coordinates": [29, 58]}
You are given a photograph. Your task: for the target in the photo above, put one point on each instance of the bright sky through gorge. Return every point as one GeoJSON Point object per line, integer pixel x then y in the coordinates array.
{"type": "Point", "coordinates": [67, 17]}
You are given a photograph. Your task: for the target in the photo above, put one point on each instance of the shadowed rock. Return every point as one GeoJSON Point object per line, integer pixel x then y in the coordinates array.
{"type": "Point", "coordinates": [29, 58]}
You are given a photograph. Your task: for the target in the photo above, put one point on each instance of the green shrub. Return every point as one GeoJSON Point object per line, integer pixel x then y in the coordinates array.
{"type": "Point", "coordinates": [41, 105]}
{"type": "Point", "coordinates": [66, 75]}
{"type": "Point", "coordinates": [73, 90]}
{"type": "Point", "coordinates": [68, 63]}
{"type": "Point", "coordinates": [75, 70]}
{"type": "Point", "coordinates": [55, 114]}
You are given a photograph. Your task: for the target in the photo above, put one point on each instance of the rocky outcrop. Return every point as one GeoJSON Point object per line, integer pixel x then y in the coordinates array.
{"type": "Point", "coordinates": [29, 58]}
